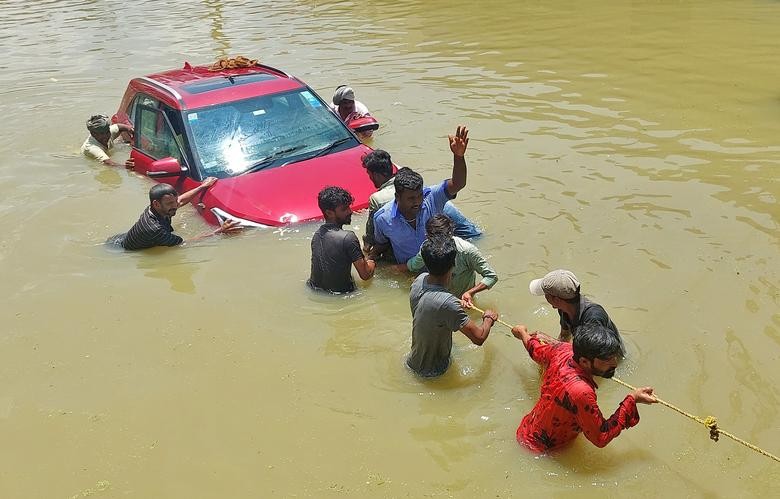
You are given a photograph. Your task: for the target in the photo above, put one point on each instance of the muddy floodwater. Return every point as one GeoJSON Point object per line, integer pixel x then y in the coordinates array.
{"type": "Point", "coordinates": [635, 143]}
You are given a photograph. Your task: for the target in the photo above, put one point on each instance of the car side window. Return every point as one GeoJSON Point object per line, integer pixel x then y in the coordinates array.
{"type": "Point", "coordinates": [154, 135]}
{"type": "Point", "coordinates": [141, 100]}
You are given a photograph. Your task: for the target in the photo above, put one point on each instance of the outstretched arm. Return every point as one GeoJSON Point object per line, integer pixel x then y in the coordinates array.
{"type": "Point", "coordinates": [189, 195]}
{"type": "Point", "coordinates": [458, 144]}
{"type": "Point", "coordinates": [227, 226]}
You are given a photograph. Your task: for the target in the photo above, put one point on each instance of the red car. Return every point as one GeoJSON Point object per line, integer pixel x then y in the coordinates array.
{"type": "Point", "coordinates": [269, 138]}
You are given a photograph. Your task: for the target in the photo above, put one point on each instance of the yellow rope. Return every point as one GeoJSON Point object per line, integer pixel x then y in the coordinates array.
{"type": "Point", "coordinates": [710, 422]}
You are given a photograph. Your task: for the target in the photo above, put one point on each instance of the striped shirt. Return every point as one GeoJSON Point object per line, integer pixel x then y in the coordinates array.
{"type": "Point", "coordinates": [149, 231]}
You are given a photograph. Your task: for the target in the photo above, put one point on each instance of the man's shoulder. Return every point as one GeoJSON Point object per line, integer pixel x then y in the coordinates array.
{"type": "Point", "coordinates": [384, 212]}
{"type": "Point", "coordinates": [464, 246]}
{"type": "Point", "coordinates": [381, 197]}
{"type": "Point", "coordinates": [593, 311]}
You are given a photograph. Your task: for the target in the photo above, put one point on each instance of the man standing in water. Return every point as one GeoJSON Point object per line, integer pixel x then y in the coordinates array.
{"type": "Point", "coordinates": [335, 251]}
{"type": "Point", "coordinates": [561, 289]}
{"type": "Point", "coordinates": [154, 227]}
{"type": "Point", "coordinates": [101, 139]}
{"type": "Point", "coordinates": [468, 262]}
{"type": "Point", "coordinates": [436, 313]}
{"type": "Point", "coordinates": [567, 405]}
{"type": "Point", "coordinates": [401, 223]}
{"type": "Point", "coordinates": [379, 168]}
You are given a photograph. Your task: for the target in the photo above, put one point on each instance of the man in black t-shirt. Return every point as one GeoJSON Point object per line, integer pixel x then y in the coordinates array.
{"type": "Point", "coordinates": [154, 228]}
{"type": "Point", "coordinates": [333, 250]}
{"type": "Point", "coordinates": [561, 289]}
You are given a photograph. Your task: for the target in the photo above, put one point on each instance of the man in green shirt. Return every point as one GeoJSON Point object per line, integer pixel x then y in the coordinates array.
{"type": "Point", "coordinates": [467, 261]}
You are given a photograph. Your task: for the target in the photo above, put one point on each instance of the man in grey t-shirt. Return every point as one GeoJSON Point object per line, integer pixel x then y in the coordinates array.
{"type": "Point", "coordinates": [437, 313]}
{"type": "Point", "coordinates": [333, 250]}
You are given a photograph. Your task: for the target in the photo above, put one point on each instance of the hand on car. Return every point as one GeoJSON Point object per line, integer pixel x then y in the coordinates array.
{"type": "Point", "coordinates": [229, 226]}
{"type": "Point", "coordinates": [208, 182]}
{"type": "Point", "coordinates": [130, 163]}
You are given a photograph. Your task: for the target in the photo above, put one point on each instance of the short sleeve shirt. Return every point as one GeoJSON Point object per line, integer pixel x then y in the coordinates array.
{"type": "Point", "coordinates": [436, 314]}
{"type": "Point", "coordinates": [390, 226]}
{"type": "Point", "coordinates": [94, 149]}
{"type": "Point", "coordinates": [149, 231]}
{"type": "Point", "coordinates": [567, 405]}
{"type": "Point", "coordinates": [333, 250]}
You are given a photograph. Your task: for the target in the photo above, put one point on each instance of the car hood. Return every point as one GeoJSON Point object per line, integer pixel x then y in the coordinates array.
{"type": "Point", "coordinates": [285, 194]}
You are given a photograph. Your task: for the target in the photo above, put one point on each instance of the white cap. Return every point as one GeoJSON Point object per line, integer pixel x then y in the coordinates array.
{"type": "Point", "coordinates": [560, 283]}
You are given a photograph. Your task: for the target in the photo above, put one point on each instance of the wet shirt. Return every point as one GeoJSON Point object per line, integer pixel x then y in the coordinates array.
{"type": "Point", "coordinates": [468, 262]}
{"type": "Point", "coordinates": [381, 197]}
{"type": "Point", "coordinates": [588, 312]}
{"type": "Point", "coordinates": [436, 314]}
{"type": "Point", "coordinates": [149, 231]}
{"type": "Point", "coordinates": [567, 405]}
{"type": "Point", "coordinates": [332, 252]}
{"type": "Point", "coordinates": [390, 226]}
{"type": "Point", "coordinates": [94, 149]}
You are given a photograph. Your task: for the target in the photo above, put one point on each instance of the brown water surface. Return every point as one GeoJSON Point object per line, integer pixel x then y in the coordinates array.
{"type": "Point", "coordinates": [636, 143]}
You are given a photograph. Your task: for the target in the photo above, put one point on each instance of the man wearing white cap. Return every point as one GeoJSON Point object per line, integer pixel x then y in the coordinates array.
{"type": "Point", "coordinates": [561, 289]}
{"type": "Point", "coordinates": [346, 106]}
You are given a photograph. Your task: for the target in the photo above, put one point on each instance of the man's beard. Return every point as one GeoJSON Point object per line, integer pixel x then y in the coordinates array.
{"type": "Point", "coordinates": [608, 373]}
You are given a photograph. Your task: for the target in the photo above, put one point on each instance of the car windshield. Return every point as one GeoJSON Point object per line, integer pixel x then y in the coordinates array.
{"type": "Point", "coordinates": [264, 132]}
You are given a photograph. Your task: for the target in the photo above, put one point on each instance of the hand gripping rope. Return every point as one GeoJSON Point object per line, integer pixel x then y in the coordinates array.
{"type": "Point", "coordinates": [710, 422]}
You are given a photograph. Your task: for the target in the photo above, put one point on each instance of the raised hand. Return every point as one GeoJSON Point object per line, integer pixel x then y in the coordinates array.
{"type": "Point", "coordinates": [460, 141]}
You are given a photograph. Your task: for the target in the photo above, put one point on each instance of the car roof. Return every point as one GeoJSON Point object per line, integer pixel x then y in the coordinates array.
{"type": "Point", "coordinates": [197, 86]}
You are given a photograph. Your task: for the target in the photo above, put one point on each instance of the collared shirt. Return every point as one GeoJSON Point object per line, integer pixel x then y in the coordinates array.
{"type": "Point", "coordinates": [333, 250]}
{"type": "Point", "coordinates": [94, 149]}
{"type": "Point", "coordinates": [588, 312]}
{"type": "Point", "coordinates": [567, 405]}
{"type": "Point", "coordinates": [384, 195]}
{"type": "Point", "coordinates": [436, 314]}
{"type": "Point", "coordinates": [468, 261]}
{"type": "Point", "coordinates": [149, 231]}
{"type": "Point", "coordinates": [390, 225]}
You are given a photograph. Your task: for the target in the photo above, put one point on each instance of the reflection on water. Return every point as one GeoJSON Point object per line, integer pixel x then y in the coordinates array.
{"type": "Point", "coordinates": [633, 143]}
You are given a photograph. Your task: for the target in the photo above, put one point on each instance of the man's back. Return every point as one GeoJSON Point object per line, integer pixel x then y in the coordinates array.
{"type": "Point", "coordinates": [332, 252]}
{"type": "Point", "coordinates": [436, 313]}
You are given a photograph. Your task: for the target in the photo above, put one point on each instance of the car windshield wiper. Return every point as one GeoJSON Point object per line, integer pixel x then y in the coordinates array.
{"type": "Point", "coordinates": [269, 159]}
{"type": "Point", "coordinates": [323, 151]}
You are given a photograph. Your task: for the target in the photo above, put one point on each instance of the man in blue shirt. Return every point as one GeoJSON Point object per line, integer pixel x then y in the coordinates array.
{"type": "Point", "coordinates": [401, 223]}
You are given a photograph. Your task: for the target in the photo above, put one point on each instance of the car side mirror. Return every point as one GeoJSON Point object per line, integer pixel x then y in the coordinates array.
{"type": "Point", "coordinates": [165, 167]}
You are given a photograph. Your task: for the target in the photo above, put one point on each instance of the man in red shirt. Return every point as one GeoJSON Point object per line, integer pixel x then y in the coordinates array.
{"type": "Point", "coordinates": [567, 405]}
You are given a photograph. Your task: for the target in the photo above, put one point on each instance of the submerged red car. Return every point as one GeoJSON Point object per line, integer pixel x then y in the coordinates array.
{"type": "Point", "coordinates": [269, 138]}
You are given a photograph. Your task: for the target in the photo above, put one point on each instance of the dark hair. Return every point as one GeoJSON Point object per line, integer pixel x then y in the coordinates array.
{"type": "Point", "coordinates": [439, 253]}
{"type": "Point", "coordinates": [378, 161]}
{"type": "Point", "coordinates": [330, 198]}
{"type": "Point", "coordinates": [159, 191]}
{"type": "Point", "coordinates": [407, 179]}
{"type": "Point", "coordinates": [439, 226]}
{"type": "Point", "coordinates": [592, 340]}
